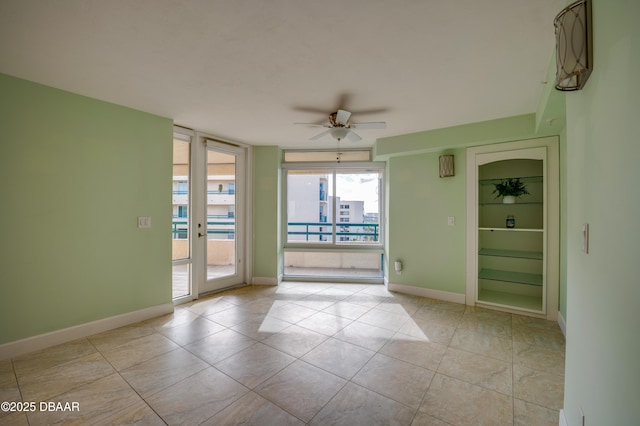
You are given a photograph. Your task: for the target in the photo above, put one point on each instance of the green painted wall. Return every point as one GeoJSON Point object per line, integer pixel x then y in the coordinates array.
{"type": "Point", "coordinates": [266, 212]}
{"type": "Point", "coordinates": [75, 174]}
{"type": "Point", "coordinates": [419, 203]}
{"type": "Point", "coordinates": [603, 291]}
{"type": "Point", "coordinates": [486, 132]}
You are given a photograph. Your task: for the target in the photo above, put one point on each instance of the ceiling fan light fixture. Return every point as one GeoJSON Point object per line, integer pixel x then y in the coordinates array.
{"type": "Point", "coordinates": [339, 133]}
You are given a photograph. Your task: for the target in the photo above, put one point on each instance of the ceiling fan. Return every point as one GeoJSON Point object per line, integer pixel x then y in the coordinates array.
{"type": "Point", "coordinates": [340, 128]}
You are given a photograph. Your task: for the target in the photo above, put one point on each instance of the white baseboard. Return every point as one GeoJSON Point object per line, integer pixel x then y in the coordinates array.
{"type": "Point", "coordinates": [53, 338]}
{"type": "Point", "coordinates": [562, 324]}
{"type": "Point", "coordinates": [427, 292]}
{"type": "Point", "coordinates": [562, 420]}
{"type": "Point", "coordinates": [264, 281]}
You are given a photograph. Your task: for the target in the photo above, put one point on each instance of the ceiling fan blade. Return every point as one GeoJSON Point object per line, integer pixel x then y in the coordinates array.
{"type": "Point", "coordinates": [342, 116]}
{"type": "Point", "coordinates": [312, 124]}
{"type": "Point", "coordinates": [319, 135]}
{"type": "Point", "coordinates": [353, 136]}
{"type": "Point", "coordinates": [371, 125]}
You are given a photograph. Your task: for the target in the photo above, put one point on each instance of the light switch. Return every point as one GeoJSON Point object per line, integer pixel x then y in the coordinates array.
{"type": "Point", "coordinates": [144, 222]}
{"type": "Point", "coordinates": [451, 220]}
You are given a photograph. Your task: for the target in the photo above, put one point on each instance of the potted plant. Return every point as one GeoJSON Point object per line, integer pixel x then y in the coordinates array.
{"type": "Point", "coordinates": [509, 189]}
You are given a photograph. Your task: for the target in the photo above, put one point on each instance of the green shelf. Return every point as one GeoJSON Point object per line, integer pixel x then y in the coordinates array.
{"type": "Point", "coordinates": [510, 276]}
{"type": "Point", "coordinates": [532, 303]}
{"type": "Point", "coordinates": [517, 203]}
{"type": "Point", "coordinates": [520, 254]}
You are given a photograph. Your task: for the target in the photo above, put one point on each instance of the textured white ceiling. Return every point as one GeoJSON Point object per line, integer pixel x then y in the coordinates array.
{"type": "Point", "coordinates": [245, 70]}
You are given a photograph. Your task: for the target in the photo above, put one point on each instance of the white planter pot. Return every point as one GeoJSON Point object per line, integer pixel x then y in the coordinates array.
{"type": "Point", "coordinates": [508, 199]}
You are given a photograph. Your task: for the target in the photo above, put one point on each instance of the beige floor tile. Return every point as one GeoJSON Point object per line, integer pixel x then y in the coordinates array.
{"type": "Point", "coordinates": [137, 414]}
{"type": "Point", "coordinates": [335, 293]}
{"type": "Point", "coordinates": [42, 385]}
{"type": "Point", "coordinates": [423, 419]}
{"type": "Point", "coordinates": [160, 372]}
{"type": "Point", "coordinates": [443, 306]}
{"type": "Point", "coordinates": [9, 392]}
{"type": "Point", "coordinates": [324, 323]}
{"type": "Point", "coordinates": [461, 403]}
{"type": "Point", "coordinates": [14, 419]}
{"type": "Point", "coordinates": [60, 354]}
{"type": "Point", "coordinates": [233, 316]}
{"type": "Point", "coordinates": [253, 410]}
{"type": "Point", "coordinates": [366, 300]}
{"type": "Point", "coordinates": [487, 322]}
{"type": "Point", "coordinates": [138, 350]}
{"type": "Point", "coordinates": [400, 307]}
{"type": "Point", "coordinates": [180, 315]}
{"type": "Point", "coordinates": [301, 389]}
{"type": "Point", "coordinates": [526, 414]}
{"type": "Point", "coordinates": [551, 338]}
{"type": "Point", "coordinates": [262, 306]}
{"type": "Point", "coordinates": [295, 341]}
{"type": "Point", "coordinates": [291, 312]}
{"type": "Point", "coordinates": [218, 346]}
{"type": "Point", "coordinates": [538, 387]}
{"type": "Point", "coordinates": [531, 322]}
{"type": "Point", "coordinates": [365, 335]}
{"type": "Point", "coordinates": [428, 330]}
{"type": "Point", "coordinates": [255, 364]}
{"type": "Point", "coordinates": [210, 306]}
{"type": "Point", "coordinates": [340, 358]}
{"type": "Point", "coordinates": [347, 310]}
{"type": "Point", "coordinates": [483, 344]}
{"type": "Point", "coordinates": [384, 319]}
{"type": "Point", "coordinates": [442, 315]}
{"type": "Point", "coordinates": [414, 350]}
{"type": "Point", "coordinates": [357, 406]}
{"type": "Point", "coordinates": [97, 401]}
{"type": "Point", "coordinates": [489, 373]}
{"type": "Point", "coordinates": [261, 328]}
{"type": "Point", "coordinates": [491, 367]}
{"type": "Point", "coordinates": [539, 358]}
{"type": "Point", "coordinates": [120, 336]}
{"type": "Point", "coordinates": [315, 302]}
{"type": "Point", "coordinates": [197, 329]}
{"type": "Point", "coordinates": [196, 398]}
{"type": "Point", "coordinates": [395, 379]}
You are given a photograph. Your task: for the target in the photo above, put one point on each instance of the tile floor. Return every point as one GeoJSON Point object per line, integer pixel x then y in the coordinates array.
{"type": "Point", "coordinates": [302, 353]}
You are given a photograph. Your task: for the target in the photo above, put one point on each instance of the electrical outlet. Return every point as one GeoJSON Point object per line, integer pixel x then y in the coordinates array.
{"type": "Point", "coordinates": [451, 220]}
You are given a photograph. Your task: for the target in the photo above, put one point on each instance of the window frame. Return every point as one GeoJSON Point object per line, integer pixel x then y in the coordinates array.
{"type": "Point", "coordinates": [335, 244]}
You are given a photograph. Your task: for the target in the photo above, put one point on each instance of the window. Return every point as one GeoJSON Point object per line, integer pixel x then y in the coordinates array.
{"type": "Point", "coordinates": [318, 198]}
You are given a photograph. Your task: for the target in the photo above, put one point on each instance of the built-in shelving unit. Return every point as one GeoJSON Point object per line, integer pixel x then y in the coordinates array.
{"type": "Point", "coordinates": [508, 262]}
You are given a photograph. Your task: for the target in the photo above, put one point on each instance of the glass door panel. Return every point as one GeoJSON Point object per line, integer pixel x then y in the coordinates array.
{"type": "Point", "coordinates": [180, 222]}
{"type": "Point", "coordinates": [223, 229]}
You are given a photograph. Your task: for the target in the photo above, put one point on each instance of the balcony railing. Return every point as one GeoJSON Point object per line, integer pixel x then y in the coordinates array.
{"type": "Point", "coordinates": [359, 230]}
{"type": "Point", "coordinates": [180, 228]}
